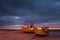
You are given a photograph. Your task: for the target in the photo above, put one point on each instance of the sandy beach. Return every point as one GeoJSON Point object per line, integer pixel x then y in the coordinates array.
{"type": "Point", "coordinates": [16, 35]}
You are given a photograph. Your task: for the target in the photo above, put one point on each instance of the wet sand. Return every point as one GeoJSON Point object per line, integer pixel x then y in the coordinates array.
{"type": "Point", "coordinates": [16, 35]}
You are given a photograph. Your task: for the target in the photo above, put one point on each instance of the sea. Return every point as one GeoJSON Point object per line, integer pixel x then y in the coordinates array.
{"type": "Point", "coordinates": [54, 32]}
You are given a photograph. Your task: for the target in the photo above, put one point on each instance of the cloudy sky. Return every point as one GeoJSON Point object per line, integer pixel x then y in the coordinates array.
{"type": "Point", "coordinates": [38, 11]}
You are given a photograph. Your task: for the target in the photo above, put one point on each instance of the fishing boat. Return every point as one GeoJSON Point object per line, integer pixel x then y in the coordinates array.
{"type": "Point", "coordinates": [28, 28]}
{"type": "Point", "coordinates": [24, 29]}
{"type": "Point", "coordinates": [42, 31]}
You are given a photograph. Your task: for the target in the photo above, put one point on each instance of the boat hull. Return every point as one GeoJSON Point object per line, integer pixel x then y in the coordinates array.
{"type": "Point", "coordinates": [27, 29]}
{"type": "Point", "coordinates": [40, 31]}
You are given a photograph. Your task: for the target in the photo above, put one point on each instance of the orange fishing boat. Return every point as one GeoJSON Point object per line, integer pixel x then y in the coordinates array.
{"type": "Point", "coordinates": [29, 28]}
{"type": "Point", "coordinates": [42, 31]}
{"type": "Point", "coordinates": [24, 29]}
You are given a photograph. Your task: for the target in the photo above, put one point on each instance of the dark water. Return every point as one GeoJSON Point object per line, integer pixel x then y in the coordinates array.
{"type": "Point", "coordinates": [55, 32]}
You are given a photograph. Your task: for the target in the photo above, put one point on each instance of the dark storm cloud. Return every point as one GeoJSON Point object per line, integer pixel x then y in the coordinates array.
{"type": "Point", "coordinates": [38, 10]}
